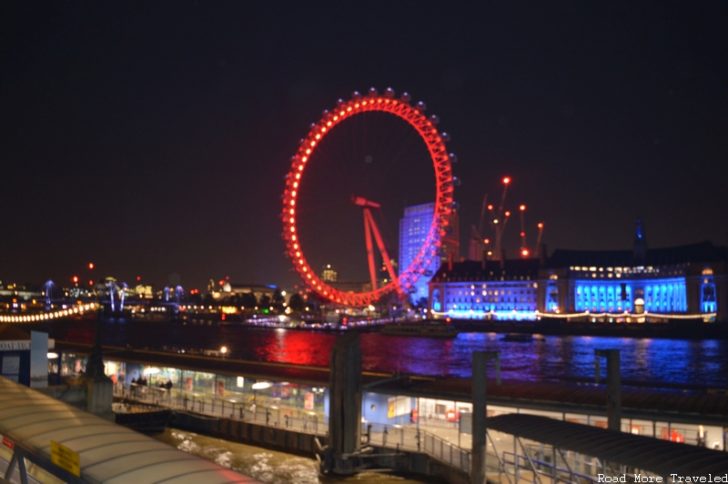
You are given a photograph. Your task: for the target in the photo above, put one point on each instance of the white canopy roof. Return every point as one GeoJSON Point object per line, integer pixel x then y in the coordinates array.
{"type": "Point", "coordinates": [109, 453]}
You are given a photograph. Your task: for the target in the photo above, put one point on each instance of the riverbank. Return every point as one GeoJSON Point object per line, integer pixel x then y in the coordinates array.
{"type": "Point", "coordinates": [674, 329]}
{"type": "Point", "coordinates": [555, 327]}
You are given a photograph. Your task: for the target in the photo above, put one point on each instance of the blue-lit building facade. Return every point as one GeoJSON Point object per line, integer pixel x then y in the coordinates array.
{"type": "Point", "coordinates": [638, 285]}
{"type": "Point", "coordinates": [486, 290]}
{"type": "Point", "coordinates": [413, 229]}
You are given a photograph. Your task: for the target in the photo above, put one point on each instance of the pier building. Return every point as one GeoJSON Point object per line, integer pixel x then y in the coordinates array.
{"type": "Point", "coordinates": [405, 419]}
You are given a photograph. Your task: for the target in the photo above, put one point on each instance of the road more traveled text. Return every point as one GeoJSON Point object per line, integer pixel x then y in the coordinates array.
{"type": "Point", "coordinates": [672, 478]}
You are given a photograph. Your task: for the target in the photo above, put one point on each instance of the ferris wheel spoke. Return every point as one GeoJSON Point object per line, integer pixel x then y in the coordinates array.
{"type": "Point", "coordinates": [444, 188]}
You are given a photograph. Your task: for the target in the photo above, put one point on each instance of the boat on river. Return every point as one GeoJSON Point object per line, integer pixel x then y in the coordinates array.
{"type": "Point", "coordinates": [430, 329]}
{"type": "Point", "coordinates": [148, 419]}
{"type": "Point", "coordinates": [521, 337]}
{"type": "Point", "coordinates": [518, 337]}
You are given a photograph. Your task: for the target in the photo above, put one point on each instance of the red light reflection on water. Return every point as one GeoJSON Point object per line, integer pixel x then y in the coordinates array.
{"type": "Point", "coordinates": [297, 347]}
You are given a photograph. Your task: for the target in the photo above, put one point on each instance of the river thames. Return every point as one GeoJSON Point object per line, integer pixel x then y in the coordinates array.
{"type": "Point", "coordinates": [658, 362]}
{"type": "Point", "coordinates": [269, 466]}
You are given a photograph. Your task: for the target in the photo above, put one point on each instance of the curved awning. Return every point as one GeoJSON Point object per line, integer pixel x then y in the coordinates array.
{"type": "Point", "coordinates": [108, 452]}
{"type": "Point", "coordinates": [659, 456]}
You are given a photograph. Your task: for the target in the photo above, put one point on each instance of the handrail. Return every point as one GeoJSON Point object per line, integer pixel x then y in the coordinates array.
{"type": "Point", "coordinates": [261, 412]}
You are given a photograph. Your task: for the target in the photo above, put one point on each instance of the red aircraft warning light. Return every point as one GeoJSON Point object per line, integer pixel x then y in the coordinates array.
{"type": "Point", "coordinates": [506, 180]}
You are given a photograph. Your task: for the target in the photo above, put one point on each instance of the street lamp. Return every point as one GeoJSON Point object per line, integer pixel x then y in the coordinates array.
{"type": "Point", "coordinates": [260, 385]}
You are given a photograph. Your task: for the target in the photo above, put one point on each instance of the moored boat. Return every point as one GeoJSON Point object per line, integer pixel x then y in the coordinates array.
{"type": "Point", "coordinates": [424, 328]}
{"type": "Point", "coordinates": [148, 419]}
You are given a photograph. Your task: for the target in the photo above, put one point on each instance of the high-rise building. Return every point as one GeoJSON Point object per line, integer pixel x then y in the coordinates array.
{"type": "Point", "coordinates": [329, 274]}
{"type": "Point", "coordinates": [413, 229]}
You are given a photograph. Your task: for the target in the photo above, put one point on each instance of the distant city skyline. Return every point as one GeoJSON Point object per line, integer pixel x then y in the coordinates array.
{"type": "Point", "coordinates": [153, 141]}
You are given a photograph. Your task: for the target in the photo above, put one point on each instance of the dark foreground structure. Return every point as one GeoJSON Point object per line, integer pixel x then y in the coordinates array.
{"type": "Point", "coordinates": [76, 446]}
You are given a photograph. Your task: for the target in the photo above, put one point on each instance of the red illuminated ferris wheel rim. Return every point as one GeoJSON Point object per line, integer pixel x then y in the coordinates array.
{"type": "Point", "coordinates": [444, 188]}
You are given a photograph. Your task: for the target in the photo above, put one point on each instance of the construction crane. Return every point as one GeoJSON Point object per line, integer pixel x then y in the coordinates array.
{"type": "Point", "coordinates": [478, 242]}
{"type": "Point", "coordinates": [524, 246]}
{"type": "Point", "coordinates": [498, 218]}
{"type": "Point", "coordinates": [540, 226]}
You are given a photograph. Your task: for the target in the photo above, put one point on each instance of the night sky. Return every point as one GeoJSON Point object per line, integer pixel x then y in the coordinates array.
{"type": "Point", "coordinates": [153, 137]}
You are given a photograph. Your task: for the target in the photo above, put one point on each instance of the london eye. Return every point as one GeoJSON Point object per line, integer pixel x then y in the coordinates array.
{"type": "Point", "coordinates": [304, 161]}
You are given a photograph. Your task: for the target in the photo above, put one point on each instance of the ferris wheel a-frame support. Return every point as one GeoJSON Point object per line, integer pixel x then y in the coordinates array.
{"type": "Point", "coordinates": [370, 228]}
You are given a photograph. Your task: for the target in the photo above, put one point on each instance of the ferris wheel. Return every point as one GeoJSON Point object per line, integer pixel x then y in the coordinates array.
{"type": "Point", "coordinates": [435, 142]}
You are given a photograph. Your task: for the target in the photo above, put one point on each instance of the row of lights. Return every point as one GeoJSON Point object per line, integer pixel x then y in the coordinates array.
{"type": "Point", "coordinates": [627, 270]}
{"type": "Point", "coordinates": [318, 131]}
{"type": "Point", "coordinates": [61, 313]}
{"type": "Point", "coordinates": [625, 313]}
{"type": "Point", "coordinates": [595, 315]}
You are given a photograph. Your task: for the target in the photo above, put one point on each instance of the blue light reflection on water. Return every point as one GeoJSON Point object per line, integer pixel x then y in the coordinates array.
{"type": "Point", "coordinates": [556, 358]}
{"type": "Point", "coordinates": [549, 358]}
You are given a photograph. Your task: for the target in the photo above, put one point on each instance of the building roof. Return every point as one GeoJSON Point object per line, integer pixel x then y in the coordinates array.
{"type": "Point", "coordinates": [696, 405]}
{"type": "Point", "coordinates": [469, 270]}
{"type": "Point", "coordinates": [108, 452]}
{"type": "Point", "coordinates": [698, 252]}
{"type": "Point", "coordinates": [658, 456]}
{"type": "Point", "coordinates": [13, 332]}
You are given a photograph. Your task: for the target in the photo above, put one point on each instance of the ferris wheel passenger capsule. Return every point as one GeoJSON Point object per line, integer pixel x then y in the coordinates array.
{"type": "Point", "coordinates": [455, 205]}
{"type": "Point", "coordinates": [445, 137]}
{"type": "Point", "coordinates": [456, 181]}
{"type": "Point", "coordinates": [340, 101]}
{"type": "Point", "coordinates": [405, 97]}
{"type": "Point", "coordinates": [356, 95]}
{"type": "Point", "coordinates": [421, 105]}
{"type": "Point", "coordinates": [453, 157]}
{"type": "Point", "coordinates": [435, 119]}
{"type": "Point", "coordinates": [389, 92]}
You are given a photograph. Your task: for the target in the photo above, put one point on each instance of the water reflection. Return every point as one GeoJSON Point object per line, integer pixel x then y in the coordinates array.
{"type": "Point", "coordinates": [662, 362]}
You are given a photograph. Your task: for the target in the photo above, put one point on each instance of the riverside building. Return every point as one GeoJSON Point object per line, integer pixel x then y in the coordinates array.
{"type": "Point", "coordinates": [638, 285]}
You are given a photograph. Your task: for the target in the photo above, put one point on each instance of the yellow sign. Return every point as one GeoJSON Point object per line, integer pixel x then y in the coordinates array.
{"type": "Point", "coordinates": [66, 458]}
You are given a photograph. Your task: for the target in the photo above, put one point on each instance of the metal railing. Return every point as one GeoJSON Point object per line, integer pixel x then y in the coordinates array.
{"type": "Point", "coordinates": [525, 468]}
{"type": "Point", "coordinates": [262, 412]}
{"type": "Point", "coordinates": [258, 411]}
{"type": "Point", "coordinates": [401, 437]}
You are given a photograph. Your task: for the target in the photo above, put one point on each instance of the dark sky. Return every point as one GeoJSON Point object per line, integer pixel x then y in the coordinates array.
{"type": "Point", "coordinates": [153, 137]}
